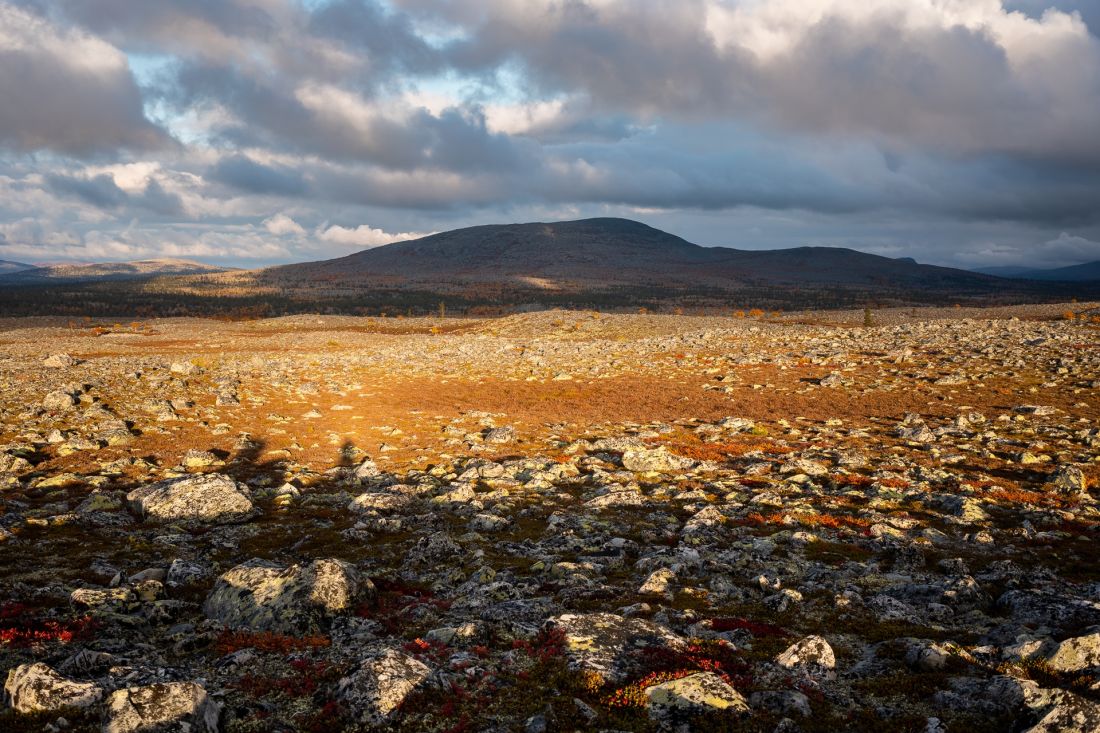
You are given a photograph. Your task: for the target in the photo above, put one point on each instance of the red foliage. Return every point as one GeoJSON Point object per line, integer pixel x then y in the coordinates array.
{"type": "Point", "coordinates": [20, 627]}
{"type": "Point", "coordinates": [395, 599]}
{"type": "Point", "coordinates": [665, 665]}
{"type": "Point", "coordinates": [231, 641]}
{"type": "Point", "coordinates": [547, 645]}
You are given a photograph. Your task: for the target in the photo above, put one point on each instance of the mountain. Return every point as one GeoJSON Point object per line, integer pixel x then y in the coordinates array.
{"type": "Point", "coordinates": [1005, 271]}
{"type": "Point", "coordinates": [143, 269]}
{"type": "Point", "coordinates": [1089, 271]}
{"type": "Point", "coordinates": [591, 263]}
{"type": "Point", "coordinates": [617, 255]}
{"type": "Point", "coordinates": [7, 267]}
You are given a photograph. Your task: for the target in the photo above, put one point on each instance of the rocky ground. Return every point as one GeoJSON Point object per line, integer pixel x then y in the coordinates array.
{"type": "Point", "coordinates": [553, 522]}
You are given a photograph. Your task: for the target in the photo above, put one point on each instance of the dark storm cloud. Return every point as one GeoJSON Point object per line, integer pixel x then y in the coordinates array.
{"type": "Point", "coordinates": [334, 123]}
{"type": "Point", "coordinates": [66, 91]}
{"type": "Point", "coordinates": [942, 114]}
{"type": "Point", "coordinates": [248, 175]}
{"type": "Point", "coordinates": [102, 192]}
{"type": "Point", "coordinates": [389, 38]}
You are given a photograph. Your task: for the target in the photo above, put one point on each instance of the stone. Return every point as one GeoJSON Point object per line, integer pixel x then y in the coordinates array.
{"type": "Point", "coordinates": [1076, 654]}
{"type": "Point", "coordinates": [658, 460]}
{"type": "Point", "coordinates": [384, 678]}
{"type": "Point", "coordinates": [59, 401]}
{"type": "Point", "coordinates": [1070, 714]}
{"type": "Point", "coordinates": [1069, 481]}
{"type": "Point", "coordinates": [812, 656]}
{"type": "Point", "coordinates": [196, 458]}
{"type": "Point", "coordinates": [167, 707]}
{"type": "Point", "coordinates": [703, 692]}
{"type": "Point", "coordinates": [500, 435]}
{"type": "Point", "coordinates": [205, 499]}
{"type": "Point", "coordinates": [606, 644]}
{"type": "Point", "coordinates": [37, 688]}
{"type": "Point", "coordinates": [56, 361]}
{"type": "Point", "coordinates": [301, 599]}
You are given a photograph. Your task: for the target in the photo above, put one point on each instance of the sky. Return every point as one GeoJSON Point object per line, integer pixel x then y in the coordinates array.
{"type": "Point", "coordinates": [253, 132]}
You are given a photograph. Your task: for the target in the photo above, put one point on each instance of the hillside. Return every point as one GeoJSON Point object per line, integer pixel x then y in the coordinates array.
{"type": "Point", "coordinates": [109, 271]}
{"type": "Point", "coordinates": [602, 255]}
{"type": "Point", "coordinates": [7, 267]}
{"type": "Point", "coordinates": [593, 263]}
{"type": "Point", "coordinates": [1086, 272]}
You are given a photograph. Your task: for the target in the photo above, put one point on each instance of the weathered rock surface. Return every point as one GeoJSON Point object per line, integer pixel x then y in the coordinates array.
{"type": "Point", "coordinates": [210, 498]}
{"type": "Point", "coordinates": [34, 688]}
{"type": "Point", "coordinates": [300, 599]}
{"type": "Point", "coordinates": [382, 680]}
{"type": "Point", "coordinates": [168, 706]}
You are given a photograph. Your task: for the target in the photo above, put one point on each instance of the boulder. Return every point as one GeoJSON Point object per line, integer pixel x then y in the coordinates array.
{"type": "Point", "coordinates": [1077, 654]}
{"type": "Point", "coordinates": [35, 688]}
{"type": "Point", "coordinates": [382, 681]}
{"type": "Point", "coordinates": [704, 692]}
{"type": "Point", "coordinates": [169, 706]}
{"type": "Point", "coordinates": [812, 656]}
{"type": "Point", "coordinates": [211, 498]}
{"type": "Point", "coordinates": [300, 599]}
{"type": "Point", "coordinates": [608, 645]}
{"type": "Point", "coordinates": [658, 460]}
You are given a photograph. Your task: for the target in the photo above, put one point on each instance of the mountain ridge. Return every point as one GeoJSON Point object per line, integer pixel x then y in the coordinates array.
{"type": "Point", "coordinates": [106, 271]}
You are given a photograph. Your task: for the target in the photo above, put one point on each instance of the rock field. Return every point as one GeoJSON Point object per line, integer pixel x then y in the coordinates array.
{"type": "Point", "coordinates": [556, 521]}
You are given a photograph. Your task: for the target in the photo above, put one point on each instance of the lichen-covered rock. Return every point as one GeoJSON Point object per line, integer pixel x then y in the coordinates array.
{"type": "Point", "coordinates": [812, 656]}
{"type": "Point", "coordinates": [1070, 714]}
{"type": "Point", "coordinates": [1043, 608]}
{"type": "Point", "coordinates": [608, 645]}
{"type": "Point", "coordinates": [57, 361]}
{"type": "Point", "coordinates": [212, 498]}
{"type": "Point", "coordinates": [704, 692]}
{"type": "Point", "coordinates": [1069, 481]}
{"type": "Point", "coordinates": [33, 688]}
{"type": "Point", "coordinates": [300, 599]}
{"type": "Point", "coordinates": [1076, 654]}
{"type": "Point", "coordinates": [59, 401]}
{"type": "Point", "coordinates": [171, 706]}
{"type": "Point", "coordinates": [382, 681]}
{"type": "Point", "coordinates": [655, 459]}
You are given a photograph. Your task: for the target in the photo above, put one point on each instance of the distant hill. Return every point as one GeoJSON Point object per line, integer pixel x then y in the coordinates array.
{"type": "Point", "coordinates": [591, 263]}
{"type": "Point", "coordinates": [142, 269]}
{"type": "Point", "coordinates": [600, 255]}
{"type": "Point", "coordinates": [7, 267]}
{"type": "Point", "coordinates": [1089, 271]}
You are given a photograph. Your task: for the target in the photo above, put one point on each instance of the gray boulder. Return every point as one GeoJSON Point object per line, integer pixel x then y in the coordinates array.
{"type": "Point", "coordinates": [212, 498]}
{"type": "Point", "coordinates": [384, 678]}
{"type": "Point", "coordinates": [34, 688]}
{"type": "Point", "coordinates": [608, 645]}
{"type": "Point", "coordinates": [171, 706]}
{"type": "Point", "coordinates": [300, 599]}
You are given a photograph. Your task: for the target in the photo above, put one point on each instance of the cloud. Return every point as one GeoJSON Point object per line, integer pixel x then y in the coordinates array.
{"type": "Point", "coordinates": [103, 192]}
{"type": "Point", "coordinates": [938, 128]}
{"type": "Point", "coordinates": [959, 77]}
{"type": "Point", "coordinates": [281, 225]}
{"type": "Point", "coordinates": [66, 90]}
{"type": "Point", "coordinates": [365, 236]}
{"type": "Point", "coordinates": [246, 174]}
